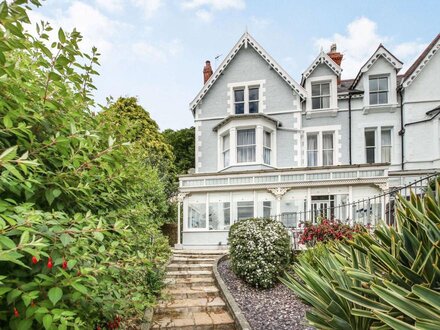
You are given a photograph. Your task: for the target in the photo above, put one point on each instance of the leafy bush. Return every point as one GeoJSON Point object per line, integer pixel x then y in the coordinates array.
{"type": "Point", "coordinates": [327, 230]}
{"type": "Point", "coordinates": [79, 209]}
{"type": "Point", "coordinates": [387, 280]}
{"type": "Point", "coordinates": [259, 250]}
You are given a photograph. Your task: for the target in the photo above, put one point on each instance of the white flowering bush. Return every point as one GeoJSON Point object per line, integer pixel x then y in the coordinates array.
{"type": "Point", "coordinates": [259, 250]}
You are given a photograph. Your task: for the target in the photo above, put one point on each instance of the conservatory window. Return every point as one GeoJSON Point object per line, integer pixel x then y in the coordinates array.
{"type": "Point", "coordinates": [246, 146]}
{"type": "Point", "coordinates": [267, 208]}
{"type": "Point", "coordinates": [197, 215]}
{"type": "Point", "coordinates": [219, 215]}
{"type": "Point", "coordinates": [245, 210]}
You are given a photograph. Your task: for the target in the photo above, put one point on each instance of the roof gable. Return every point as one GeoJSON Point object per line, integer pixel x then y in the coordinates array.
{"type": "Point", "coordinates": [247, 40]}
{"type": "Point", "coordinates": [381, 51]}
{"type": "Point", "coordinates": [421, 61]}
{"type": "Point", "coordinates": [322, 58]}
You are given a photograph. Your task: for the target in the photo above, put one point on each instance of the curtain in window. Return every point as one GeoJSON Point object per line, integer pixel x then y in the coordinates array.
{"type": "Point", "coordinates": [245, 210]}
{"type": "Point", "coordinates": [266, 147]}
{"type": "Point", "coordinates": [327, 149]}
{"type": "Point", "coordinates": [386, 145]}
{"type": "Point", "coordinates": [246, 146]}
{"type": "Point", "coordinates": [226, 147]}
{"type": "Point", "coordinates": [312, 150]}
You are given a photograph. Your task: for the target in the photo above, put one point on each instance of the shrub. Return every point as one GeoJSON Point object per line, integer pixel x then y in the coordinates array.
{"type": "Point", "coordinates": [327, 230]}
{"type": "Point", "coordinates": [259, 250]}
{"type": "Point", "coordinates": [79, 209]}
{"type": "Point", "coordinates": [390, 279]}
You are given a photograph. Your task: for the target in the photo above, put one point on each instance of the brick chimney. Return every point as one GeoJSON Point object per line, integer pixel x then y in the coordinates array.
{"type": "Point", "coordinates": [207, 72]}
{"type": "Point", "coordinates": [336, 57]}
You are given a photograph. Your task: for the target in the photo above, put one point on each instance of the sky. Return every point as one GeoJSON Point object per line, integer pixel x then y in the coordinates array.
{"type": "Point", "coordinates": [155, 49]}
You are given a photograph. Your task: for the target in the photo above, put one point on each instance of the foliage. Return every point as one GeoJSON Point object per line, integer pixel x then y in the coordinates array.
{"type": "Point", "coordinates": [387, 280]}
{"type": "Point", "coordinates": [183, 143]}
{"type": "Point", "coordinates": [259, 250]}
{"type": "Point", "coordinates": [327, 230]}
{"type": "Point", "coordinates": [79, 209]}
{"type": "Point", "coordinates": [311, 254]}
{"type": "Point", "coordinates": [130, 122]}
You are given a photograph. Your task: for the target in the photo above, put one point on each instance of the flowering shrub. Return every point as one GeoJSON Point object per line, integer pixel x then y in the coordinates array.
{"type": "Point", "coordinates": [259, 250]}
{"type": "Point", "coordinates": [327, 230]}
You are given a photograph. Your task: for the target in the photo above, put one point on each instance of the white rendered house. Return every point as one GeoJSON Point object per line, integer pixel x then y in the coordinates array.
{"type": "Point", "coordinates": [267, 145]}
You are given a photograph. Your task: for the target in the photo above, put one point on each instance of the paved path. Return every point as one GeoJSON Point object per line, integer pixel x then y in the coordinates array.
{"type": "Point", "coordinates": [193, 300]}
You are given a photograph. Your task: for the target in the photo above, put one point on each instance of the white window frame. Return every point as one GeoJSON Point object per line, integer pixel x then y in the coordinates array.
{"type": "Point", "coordinates": [226, 149]}
{"type": "Point", "coordinates": [247, 146]}
{"type": "Point", "coordinates": [253, 208]}
{"type": "Point", "coordinates": [246, 85]}
{"type": "Point", "coordinates": [333, 105]}
{"type": "Point", "coordinates": [378, 143]}
{"type": "Point", "coordinates": [321, 96]}
{"type": "Point", "coordinates": [376, 77]}
{"type": "Point", "coordinates": [320, 147]}
{"type": "Point", "coordinates": [267, 149]}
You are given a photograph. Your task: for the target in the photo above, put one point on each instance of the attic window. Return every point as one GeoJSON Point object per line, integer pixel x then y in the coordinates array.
{"type": "Point", "coordinates": [321, 95]}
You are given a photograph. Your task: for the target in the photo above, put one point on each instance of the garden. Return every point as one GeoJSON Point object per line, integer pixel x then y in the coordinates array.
{"type": "Point", "coordinates": [349, 277]}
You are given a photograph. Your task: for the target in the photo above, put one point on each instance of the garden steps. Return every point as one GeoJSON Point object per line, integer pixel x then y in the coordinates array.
{"type": "Point", "coordinates": [184, 267]}
{"type": "Point", "coordinates": [191, 298]}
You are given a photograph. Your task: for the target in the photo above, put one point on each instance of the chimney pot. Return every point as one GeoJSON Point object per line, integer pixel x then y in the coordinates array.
{"type": "Point", "coordinates": [207, 72]}
{"type": "Point", "coordinates": [336, 57]}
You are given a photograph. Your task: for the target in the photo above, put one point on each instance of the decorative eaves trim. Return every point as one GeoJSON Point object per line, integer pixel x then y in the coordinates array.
{"type": "Point", "coordinates": [381, 51]}
{"type": "Point", "coordinates": [322, 58]}
{"type": "Point", "coordinates": [408, 80]}
{"type": "Point", "coordinates": [230, 118]}
{"type": "Point", "coordinates": [246, 39]}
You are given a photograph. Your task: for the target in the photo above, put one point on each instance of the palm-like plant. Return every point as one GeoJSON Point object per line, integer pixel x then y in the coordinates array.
{"type": "Point", "coordinates": [390, 279]}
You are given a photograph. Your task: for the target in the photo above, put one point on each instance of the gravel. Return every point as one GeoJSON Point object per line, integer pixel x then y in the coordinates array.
{"type": "Point", "coordinates": [276, 308]}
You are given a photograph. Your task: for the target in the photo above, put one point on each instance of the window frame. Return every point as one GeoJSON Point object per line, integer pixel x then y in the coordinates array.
{"type": "Point", "coordinates": [378, 91]}
{"type": "Point", "coordinates": [246, 99]}
{"type": "Point", "coordinates": [314, 151]}
{"type": "Point", "coordinates": [267, 149]}
{"type": "Point", "coordinates": [226, 150]}
{"type": "Point", "coordinates": [378, 146]}
{"type": "Point", "coordinates": [321, 96]}
{"type": "Point", "coordinates": [237, 208]}
{"type": "Point", "coordinates": [247, 146]}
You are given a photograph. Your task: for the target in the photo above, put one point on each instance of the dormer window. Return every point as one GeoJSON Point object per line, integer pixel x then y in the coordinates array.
{"type": "Point", "coordinates": [246, 99]}
{"type": "Point", "coordinates": [321, 95]}
{"type": "Point", "coordinates": [378, 90]}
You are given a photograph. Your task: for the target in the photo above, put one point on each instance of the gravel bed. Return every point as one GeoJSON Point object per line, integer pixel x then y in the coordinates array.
{"type": "Point", "coordinates": [276, 308]}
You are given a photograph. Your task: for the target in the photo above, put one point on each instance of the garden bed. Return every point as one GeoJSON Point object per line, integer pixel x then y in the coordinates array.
{"type": "Point", "coordinates": [275, 308]}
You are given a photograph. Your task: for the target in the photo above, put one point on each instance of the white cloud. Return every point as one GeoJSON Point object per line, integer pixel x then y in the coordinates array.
{"type": "Point", "coordinates": [205, 9]}
{"type": "Point", "coordinates": [157, 53]}
{"type": "Point", "coordinates": [359, 43]}
{"type": "Point", "coordinates": [150, 7]}
{"type": "Point", "coordinates": [111, 6]}
{"type": "Point", "coordinates": [97, 29]}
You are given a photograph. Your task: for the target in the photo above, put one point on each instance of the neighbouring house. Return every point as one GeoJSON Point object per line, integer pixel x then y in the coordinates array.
{"type": "Point", "coordinates": [267, 145]}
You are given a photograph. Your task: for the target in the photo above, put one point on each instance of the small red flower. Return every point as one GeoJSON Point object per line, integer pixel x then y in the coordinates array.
{"type": "Point", "coordinates": [16, 313]}
{"type": "Point", "coordinates": [34, 260]}
{"type": "Point", "coordinates": [64, 264]}
{"type": "Point", "coordinates": [49, 263]}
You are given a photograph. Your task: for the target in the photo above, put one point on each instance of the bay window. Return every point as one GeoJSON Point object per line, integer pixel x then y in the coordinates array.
{"type": "Point", "coordinates": [246, 145]}
{"type": "Point", "coordinates": [266, 147]}
{"type": "Point", "coordinates": [226, 147]}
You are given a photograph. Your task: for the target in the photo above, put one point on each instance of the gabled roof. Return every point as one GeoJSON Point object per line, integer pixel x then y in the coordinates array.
{"type": "Point", "coordinates": [322, 58]}
{"type": "Point", "coordinates": [247, 40]}
{"type": "Point", "coordinates": [421, 61]}
{"type": "Point", "coordinates": [381, 51]}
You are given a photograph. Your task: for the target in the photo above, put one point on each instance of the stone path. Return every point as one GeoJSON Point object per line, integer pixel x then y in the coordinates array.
{"type": "Point", "coordinates": [193, 300]}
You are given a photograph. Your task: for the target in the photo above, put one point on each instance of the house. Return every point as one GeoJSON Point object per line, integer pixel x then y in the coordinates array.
{"type": "Point", "coordinates": [267, 145]}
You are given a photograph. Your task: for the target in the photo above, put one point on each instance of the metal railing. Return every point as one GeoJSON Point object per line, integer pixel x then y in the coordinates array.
{"type": "Point", "coordinates": [369, 211]}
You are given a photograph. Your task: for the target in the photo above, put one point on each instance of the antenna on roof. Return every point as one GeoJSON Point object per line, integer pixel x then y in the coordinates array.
{"type": "Point", "coordinates": [216, 60]}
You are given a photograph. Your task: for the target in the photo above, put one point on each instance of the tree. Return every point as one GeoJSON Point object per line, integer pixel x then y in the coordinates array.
{"type": "Point", "coordinates": [183, 143]}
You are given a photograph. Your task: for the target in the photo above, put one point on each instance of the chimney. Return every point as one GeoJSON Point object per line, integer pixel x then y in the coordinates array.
{"type": "Point", "coordinates": [207, 72]}
{"type": "Point", "coordinates": [336, 57]}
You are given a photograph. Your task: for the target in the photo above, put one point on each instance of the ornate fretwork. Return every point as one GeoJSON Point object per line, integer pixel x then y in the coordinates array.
{"type": "Point", "coordinates": [181, 196]}
{"type": "Point", "coordinates": [278, 192]}
{"type": "Point", "coordinates": [382, 186]}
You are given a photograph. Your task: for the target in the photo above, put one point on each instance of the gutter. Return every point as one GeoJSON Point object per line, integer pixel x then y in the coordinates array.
{"type": "Point", "coordinates": [349, 127]}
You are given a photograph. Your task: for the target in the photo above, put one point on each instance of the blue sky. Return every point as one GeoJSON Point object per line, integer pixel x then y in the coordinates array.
{"type": "Point", "coordinates": [155, 49]}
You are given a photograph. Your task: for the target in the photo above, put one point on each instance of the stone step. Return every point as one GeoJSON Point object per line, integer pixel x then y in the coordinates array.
{"type": "Point", "coordinates": [185, 260]}
{"type": "Point", "coordinates": [177, 267]}
{"type": "Point", "coordinates": [177, 308]}
{"type": "Point", "coordinates": [197, 320]}
{"type": "Point", "coordinates": [189, 256]}
{"type": "Point", "coordinates": [189, 273]}
{"type": "Point", "coordinates": [197, 253]}
{"type": "Point", "coordinates": [191, 282]}
{"type": "Point", "coordinates": [191, 293]}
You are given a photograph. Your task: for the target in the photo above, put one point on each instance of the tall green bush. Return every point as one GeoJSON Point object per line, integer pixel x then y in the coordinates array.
{"type": "Point", "coordinates": [79, 209]}
{"type": "Point", "coordinates": [390, 279]}
{"type": "Point", "coordinates": [259, 250]}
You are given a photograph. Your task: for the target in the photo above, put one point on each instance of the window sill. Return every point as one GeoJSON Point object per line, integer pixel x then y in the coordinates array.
{"type": "Point", "coordinates": [378, 108]}
{"type": "Point", "coordinates": [316, 113]}
{"type": "Point", "coordinates": [247, 164]}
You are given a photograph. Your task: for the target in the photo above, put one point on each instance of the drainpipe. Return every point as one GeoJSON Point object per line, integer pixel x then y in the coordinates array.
{"type": "Point", "coordinates": [349, 128]}
{"type": "Point", "coordinates": [402, 131]}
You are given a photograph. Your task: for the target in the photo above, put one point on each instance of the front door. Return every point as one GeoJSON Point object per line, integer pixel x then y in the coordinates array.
{"type": "Point", "coordinates": [322, 207]}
